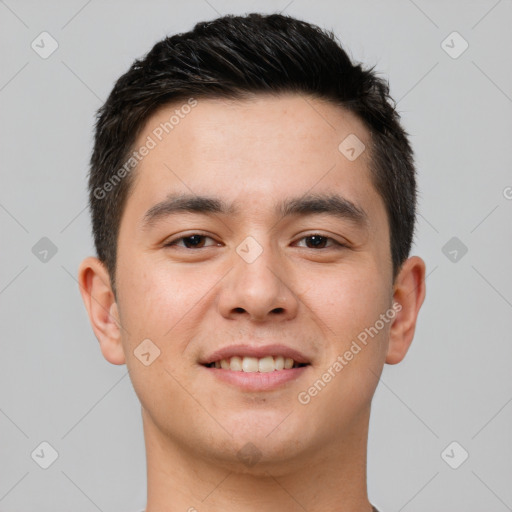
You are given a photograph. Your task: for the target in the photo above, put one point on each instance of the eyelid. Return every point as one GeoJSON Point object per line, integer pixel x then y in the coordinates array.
{"type": "Point", "coordinates": [335, 242]}
{"type": "Point", "coordinates": [173, 241]}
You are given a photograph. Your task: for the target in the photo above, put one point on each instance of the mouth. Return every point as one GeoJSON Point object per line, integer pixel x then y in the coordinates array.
{"type": "Point", "coordinates": [256, 368]}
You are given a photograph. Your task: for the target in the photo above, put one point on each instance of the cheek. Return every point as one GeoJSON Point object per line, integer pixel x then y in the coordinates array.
{"type": "Point", "coordinates": [157, 303]}
{"type": "Point", "coordinates": [349, 299]}
{"type": "Point", "coordinates": [349, 304]}
{"type": "Point", "coordinates": [159, 300]}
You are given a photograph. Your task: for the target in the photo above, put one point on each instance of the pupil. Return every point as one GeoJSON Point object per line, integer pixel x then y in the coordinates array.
{"type": "Point", "coordinates": [195, 238]}
{"type": "Point", "coordinates": [320, 240]}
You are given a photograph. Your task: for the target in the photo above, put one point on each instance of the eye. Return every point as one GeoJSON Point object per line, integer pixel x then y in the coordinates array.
{"type": "Point", "coordinates": [317, 241]}
{"type": "Point", "coordinates": [197, 241]}
{"type": "Point", "coordinates": [193, 241]}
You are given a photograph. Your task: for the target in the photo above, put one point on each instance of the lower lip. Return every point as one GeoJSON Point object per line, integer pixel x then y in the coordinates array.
{"type": "Point", "coordinates": [257, 381]}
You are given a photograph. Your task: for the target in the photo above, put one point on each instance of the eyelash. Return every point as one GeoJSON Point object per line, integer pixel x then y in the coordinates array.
{"type": "Point", "coordinates": [335, 243]}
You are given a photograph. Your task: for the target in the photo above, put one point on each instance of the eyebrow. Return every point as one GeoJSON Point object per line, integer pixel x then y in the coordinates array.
{"type": "Point", "coordinates": [309, 204]}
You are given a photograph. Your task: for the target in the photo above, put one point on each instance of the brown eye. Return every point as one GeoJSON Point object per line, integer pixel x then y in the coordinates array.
{"type": "Point", "coordinates": [316, 241]}
{"type": "Point", "coordinates": [194, 241]}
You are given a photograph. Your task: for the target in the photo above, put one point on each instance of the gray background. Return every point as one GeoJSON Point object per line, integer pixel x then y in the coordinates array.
{"type": "Point", "coordinates": [455, 383]}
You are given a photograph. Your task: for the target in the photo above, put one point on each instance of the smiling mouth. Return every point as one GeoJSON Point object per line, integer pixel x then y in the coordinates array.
{"type": "Point", "coordinates": [249, 364]}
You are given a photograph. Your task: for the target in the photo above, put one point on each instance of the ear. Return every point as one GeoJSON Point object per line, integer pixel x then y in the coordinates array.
{"type": "Point", "coordinates": [99, 300]}
{"type": "Point", "coordinates": [409, 294]}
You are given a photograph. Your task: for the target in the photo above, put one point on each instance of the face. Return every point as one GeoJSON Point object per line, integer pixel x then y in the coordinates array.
{"type": "Point", "coordinates": [289, 256]}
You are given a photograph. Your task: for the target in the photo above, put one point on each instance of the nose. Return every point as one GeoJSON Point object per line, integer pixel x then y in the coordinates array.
{"type": "Point", "coordinates": [258, 290]}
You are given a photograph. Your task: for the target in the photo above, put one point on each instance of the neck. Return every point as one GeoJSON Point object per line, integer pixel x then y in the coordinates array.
{"type": "Point", "coordinates": [332, 478]}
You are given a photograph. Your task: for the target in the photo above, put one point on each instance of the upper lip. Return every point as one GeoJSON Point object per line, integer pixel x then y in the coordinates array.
{"type": "Point", "coordinates": [258, 351]}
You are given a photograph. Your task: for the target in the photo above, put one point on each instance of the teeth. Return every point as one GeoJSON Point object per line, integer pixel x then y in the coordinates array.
{"type": "Point", "coordinates": [235, 364]}
{"type": "Point", "coordinates": [253, 364]}
{"type": "Point", "coordinates": [250, 364]}
{"type": "Point", "coordinates": [266, 364]}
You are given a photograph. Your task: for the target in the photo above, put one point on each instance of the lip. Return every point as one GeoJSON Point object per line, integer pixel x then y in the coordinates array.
{"type": "Point", "coordinates": [256, 381]}
{"type": "Point", "coordinates": [256, 351]}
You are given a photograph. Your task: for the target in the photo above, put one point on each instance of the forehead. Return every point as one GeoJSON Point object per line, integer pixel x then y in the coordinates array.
{"type": "Point", "coordinates": [251, 150]}
{"type": "Point", "coordinates": [276, 128]}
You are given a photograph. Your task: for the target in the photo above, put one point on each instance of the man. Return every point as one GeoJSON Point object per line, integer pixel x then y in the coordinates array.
{"type": "Point", "coordinates": [253, 203]}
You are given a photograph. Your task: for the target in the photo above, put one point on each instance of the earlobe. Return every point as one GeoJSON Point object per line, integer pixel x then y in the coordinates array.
{"type": "Point", "coordinates": [99, 300]}
{"type": "Point", "coordinates": [409, 292]}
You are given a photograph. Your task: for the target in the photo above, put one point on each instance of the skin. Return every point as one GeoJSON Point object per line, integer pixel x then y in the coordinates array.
{"type": "Point", "coordinates": [190, 302]}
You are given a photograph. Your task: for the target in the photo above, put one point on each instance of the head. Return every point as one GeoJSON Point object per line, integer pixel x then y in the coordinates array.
{"type": "Point", "coordinates": [235, 58]}
{"type": "Point", "coordinates": [251, 185]}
